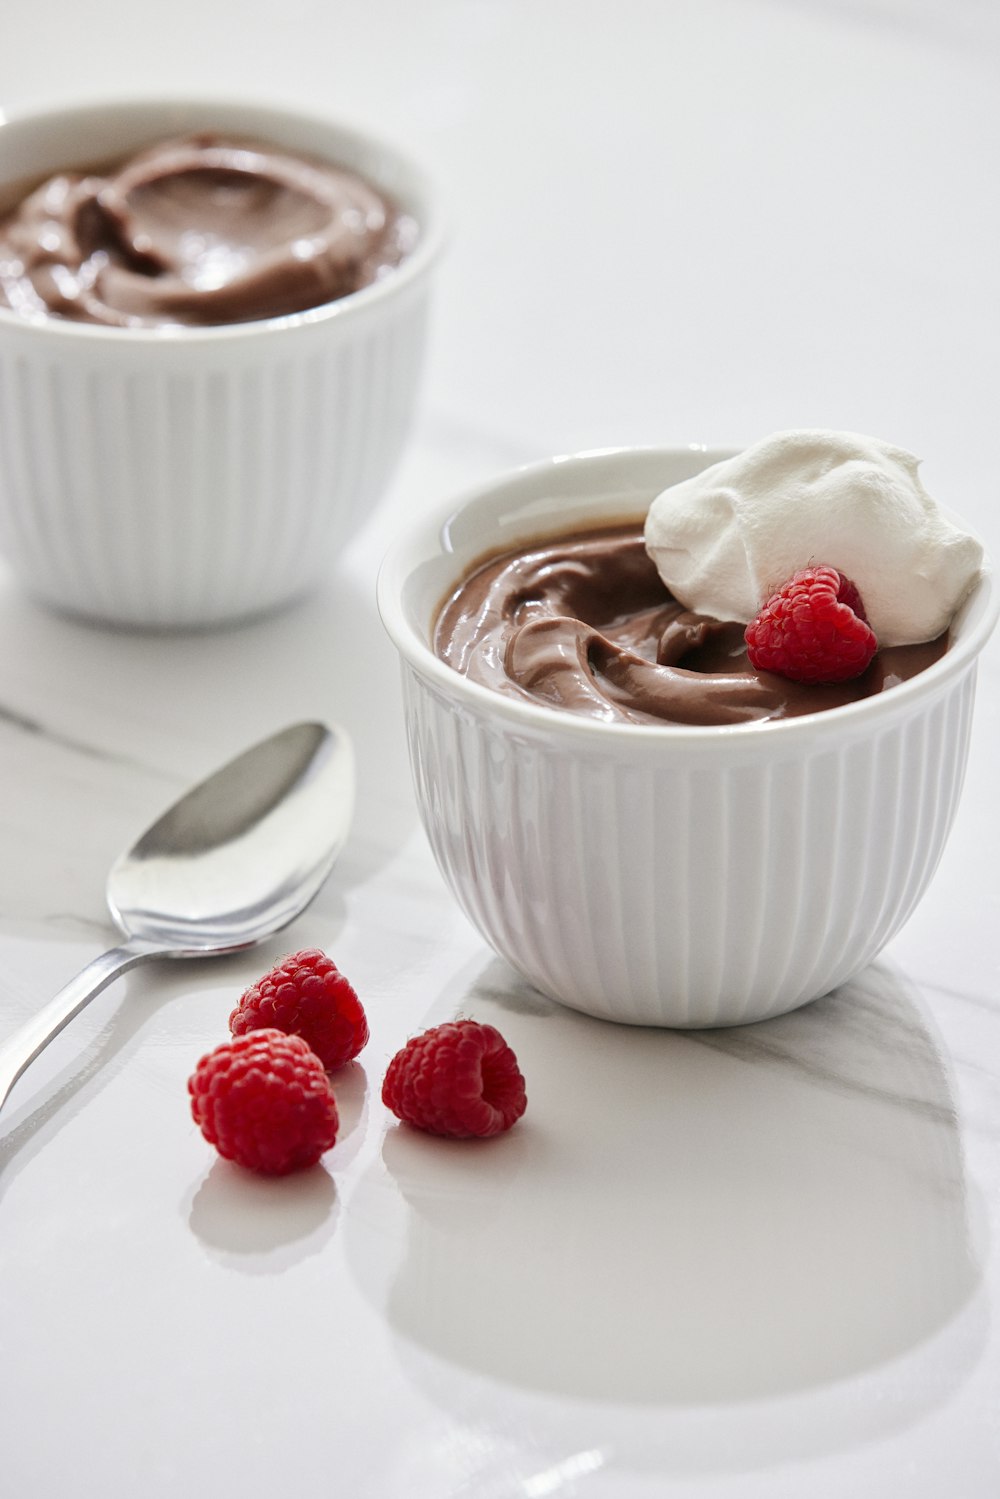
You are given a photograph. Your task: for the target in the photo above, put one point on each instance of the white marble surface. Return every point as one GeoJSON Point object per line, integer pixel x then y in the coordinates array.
{"type": "Point", "coordinates": [738, 1264]}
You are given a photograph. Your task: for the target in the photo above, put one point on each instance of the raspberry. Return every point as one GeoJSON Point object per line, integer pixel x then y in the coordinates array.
{"type": "Point", "coordinates": [814, 629]}
{"type": "Point", "coordinates": [457, 1079]}
{"type": "Point", "coordinates": [306, 995]}
{"type": "Point", "coordinates": [265, 1101]}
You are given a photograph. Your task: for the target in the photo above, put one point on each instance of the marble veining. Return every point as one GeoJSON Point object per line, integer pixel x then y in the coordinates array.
{"type": "Point", "coordinates": [752, 1263]}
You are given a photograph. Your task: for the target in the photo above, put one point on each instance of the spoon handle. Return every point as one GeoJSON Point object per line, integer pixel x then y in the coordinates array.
{"type": "Point", "coordinates": [20, 1049]}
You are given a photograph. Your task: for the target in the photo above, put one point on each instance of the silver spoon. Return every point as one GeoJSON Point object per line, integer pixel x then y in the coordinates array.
{"type": "Point", "coordinates": [235, 860]}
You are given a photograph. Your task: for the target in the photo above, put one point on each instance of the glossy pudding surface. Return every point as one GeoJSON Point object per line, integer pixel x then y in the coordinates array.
{"type": "Point", "coordinates": [582, 622]}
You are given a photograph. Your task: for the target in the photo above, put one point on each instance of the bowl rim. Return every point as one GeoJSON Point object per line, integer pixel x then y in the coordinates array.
{"type": "Point", "coordinates": [414, 267]}
{"type": "Point", "coordinates": [426, 538]}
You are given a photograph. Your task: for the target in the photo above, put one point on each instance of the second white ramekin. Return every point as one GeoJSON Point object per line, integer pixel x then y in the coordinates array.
{"type": "Point", "coordinates": [671, 876]}
{"type": "Point", "coordinates": [194, 476]}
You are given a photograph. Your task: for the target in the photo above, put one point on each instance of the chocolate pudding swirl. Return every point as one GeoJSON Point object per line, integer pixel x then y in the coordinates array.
{"type": "Point", "coordinates": [584, 623]}
{"type": "Point", "coordinates": [200, 230]}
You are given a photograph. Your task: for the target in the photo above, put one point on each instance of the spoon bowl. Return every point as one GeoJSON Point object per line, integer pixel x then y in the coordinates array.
{"type": "Point", "coordinates": [238, 858]}
{"type": "Point", "coordinates": [242, 854]}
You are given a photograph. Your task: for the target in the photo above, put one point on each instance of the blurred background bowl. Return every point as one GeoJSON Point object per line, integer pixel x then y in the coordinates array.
{"type": "Point", "coordinates": [193, 476]}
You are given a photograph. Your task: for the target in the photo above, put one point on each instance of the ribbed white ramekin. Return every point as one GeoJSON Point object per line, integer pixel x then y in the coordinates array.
{"type": "Point", "coordinates": [669, 875]}
{"type": "Point", "coordinates": [194, 476]}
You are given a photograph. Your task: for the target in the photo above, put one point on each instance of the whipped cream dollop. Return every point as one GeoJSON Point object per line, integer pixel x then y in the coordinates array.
{"type": "Point", "coordinates": [726, 539]}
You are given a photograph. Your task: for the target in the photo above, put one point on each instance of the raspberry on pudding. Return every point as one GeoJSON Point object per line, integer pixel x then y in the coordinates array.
{"type": "Point", "coordinates": [814, 629]}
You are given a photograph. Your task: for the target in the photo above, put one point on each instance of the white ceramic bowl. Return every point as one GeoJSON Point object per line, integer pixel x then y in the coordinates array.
{"type": "Point", "coordinates": [192, 476]}
{"type": "Point", "coordinates": [664, 875]}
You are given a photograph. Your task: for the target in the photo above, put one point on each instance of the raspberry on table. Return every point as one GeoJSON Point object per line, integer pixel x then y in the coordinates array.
{"type": "Point", "coordinates": [814, 629]}
{"type": "Point", "coordinates": [306, 995]}
{"type": "Point", "coordinates": [264, 1100]}
{"type": "Point", "coordinates": [459, 1079]}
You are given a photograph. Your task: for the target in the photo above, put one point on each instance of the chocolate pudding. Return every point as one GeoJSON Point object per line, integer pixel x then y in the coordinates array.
{"type": "Point", "coordinates": [201, 230]}
{"type": "Point", "coordinates": [584, 623]}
